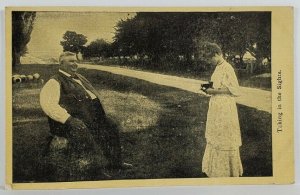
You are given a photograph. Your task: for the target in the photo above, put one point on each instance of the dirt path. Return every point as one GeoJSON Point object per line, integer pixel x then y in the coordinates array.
{"type": "Point", "coordinates": [252, 97]}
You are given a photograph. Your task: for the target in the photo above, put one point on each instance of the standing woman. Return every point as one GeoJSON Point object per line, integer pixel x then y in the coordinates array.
{"type": "Point", "coordinates": [223, 136]}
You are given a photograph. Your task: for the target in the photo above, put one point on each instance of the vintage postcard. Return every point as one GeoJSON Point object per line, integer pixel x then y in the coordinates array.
{"type": "Point", "coordinates": [102, 97]}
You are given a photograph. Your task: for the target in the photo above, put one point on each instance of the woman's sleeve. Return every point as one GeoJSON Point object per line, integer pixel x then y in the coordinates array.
{"type": "Point", "coordinates": [230, 81]}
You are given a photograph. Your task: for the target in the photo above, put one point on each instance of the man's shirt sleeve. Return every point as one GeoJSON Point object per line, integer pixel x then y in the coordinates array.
{"type": "Point", "coordinates": [49, 99]}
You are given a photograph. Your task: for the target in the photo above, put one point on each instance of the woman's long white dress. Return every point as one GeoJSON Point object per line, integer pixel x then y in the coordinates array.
{"type": "Point", "coordinates": [223, 137]}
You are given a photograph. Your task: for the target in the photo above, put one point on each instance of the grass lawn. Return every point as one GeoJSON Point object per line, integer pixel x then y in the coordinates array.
{"type": "Point", "coordinates": [162, 128]}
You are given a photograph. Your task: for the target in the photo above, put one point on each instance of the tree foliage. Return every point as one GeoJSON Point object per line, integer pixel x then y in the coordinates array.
{"type": "Point", "coordinates": [98, 48]}
{"type": "Point", "coordinates": [171, 34]}
{"type": "Point", "coordinates": [22, 26]}
{"type": "Point", "coordinates": [73, 42]}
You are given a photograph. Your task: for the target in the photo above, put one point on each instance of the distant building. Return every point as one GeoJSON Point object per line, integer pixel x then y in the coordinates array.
{"type": "Point", "coordinates": [248, 57]}
{"type": "Point", "coordinates": [249, 61]}
{"type": "Point", "coordinates": [79, 56]}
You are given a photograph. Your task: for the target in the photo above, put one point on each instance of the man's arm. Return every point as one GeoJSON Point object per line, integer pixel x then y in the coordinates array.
{"type": "Point", "coordinates": [49, 100]}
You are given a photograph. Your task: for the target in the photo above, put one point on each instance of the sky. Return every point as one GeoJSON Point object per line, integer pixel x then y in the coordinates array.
{"type": "Point", "coordinates": [49, 28]}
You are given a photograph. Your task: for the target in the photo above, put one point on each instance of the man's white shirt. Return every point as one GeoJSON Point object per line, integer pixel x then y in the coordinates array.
{"type": "Point", "coordinates": [49, 99]}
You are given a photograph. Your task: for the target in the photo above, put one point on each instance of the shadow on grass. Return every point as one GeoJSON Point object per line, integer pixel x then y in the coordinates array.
{"type": "Point", "coordinates": [172, 148]}
{"type": "Point", "coordinates": [185, 111]}
{"type": "Point", "coordinates": [256, 151]}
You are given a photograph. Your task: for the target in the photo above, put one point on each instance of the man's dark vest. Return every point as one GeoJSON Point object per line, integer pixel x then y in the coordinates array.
{"type": "Point", "coordinates": [78, 104]}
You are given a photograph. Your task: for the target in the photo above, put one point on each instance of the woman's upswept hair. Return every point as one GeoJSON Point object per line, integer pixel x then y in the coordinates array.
{"type": "Point", "coordinates": [208, 49]}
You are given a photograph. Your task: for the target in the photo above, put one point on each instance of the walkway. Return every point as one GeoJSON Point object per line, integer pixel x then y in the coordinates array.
{"type": "Point", "coordinates": [252, 97]}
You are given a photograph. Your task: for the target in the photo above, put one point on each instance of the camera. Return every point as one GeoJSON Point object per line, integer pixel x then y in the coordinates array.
{"type": "Point", "coordinates": [205, 86]}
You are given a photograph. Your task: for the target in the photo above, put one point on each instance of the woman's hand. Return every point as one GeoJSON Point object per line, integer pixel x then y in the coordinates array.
{"type": "Point", "coordinates": [204, 93]}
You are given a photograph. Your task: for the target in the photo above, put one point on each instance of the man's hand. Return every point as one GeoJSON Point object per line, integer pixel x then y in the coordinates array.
{"type": "Point", "coordinates": [75, 123]}
{"type": "Point", "coordinates": [80, 136]}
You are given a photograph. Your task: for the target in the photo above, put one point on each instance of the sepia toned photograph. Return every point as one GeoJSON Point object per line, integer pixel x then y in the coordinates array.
{"type": "Point", "coordinates": [142, 95]}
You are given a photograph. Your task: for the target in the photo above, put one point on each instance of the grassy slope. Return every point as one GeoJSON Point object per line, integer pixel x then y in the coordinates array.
{"type": "Point", "coordinates": [167, 140]}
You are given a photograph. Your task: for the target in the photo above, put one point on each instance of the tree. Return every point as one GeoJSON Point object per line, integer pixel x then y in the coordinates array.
{"type": "Point", "coordinates": [144, 35]}
{"type": "Point", "coordinates": [22, 26]}
{"type": "Point", "coordinates": [73, 42]}
{"type": "Point", "coordinates": [98, 48]}
{"type": "Point", "coordinates": [261, 48]}
{"type": "Point", "coordinates": [164, 36]}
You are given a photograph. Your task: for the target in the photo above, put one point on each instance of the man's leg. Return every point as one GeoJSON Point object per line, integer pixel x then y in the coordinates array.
{"type": "Point", "coordinates": [107, 135]}
{"type": "Point", "coordinates": [57, 162]}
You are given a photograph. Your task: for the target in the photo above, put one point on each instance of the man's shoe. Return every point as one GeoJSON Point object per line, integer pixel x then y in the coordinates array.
{"type": "Point", "coordinates": [107, 176]}
{"type": "Point", "coordinates": [125, 165]}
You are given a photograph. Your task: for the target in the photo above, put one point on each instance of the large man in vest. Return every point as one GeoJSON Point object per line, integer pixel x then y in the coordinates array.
{"type": "Point", "coordinates": [78, 125]}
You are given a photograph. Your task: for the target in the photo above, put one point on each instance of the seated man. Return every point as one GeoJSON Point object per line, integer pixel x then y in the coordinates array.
{"type": "Point", "coordinates": [78, 125]}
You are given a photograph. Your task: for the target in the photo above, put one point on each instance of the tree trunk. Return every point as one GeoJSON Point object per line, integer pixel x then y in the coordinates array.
{"type": "Point", "coordinates": [241, 61]}
{"type": "Point", "coordinates": [258, 64]}
{"type": "Point", "coordinates": [155, 60]}
{"type": "Point", "coordinates": [15, 59]}
{"type": "Point", "coordinates": [188, 58]}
